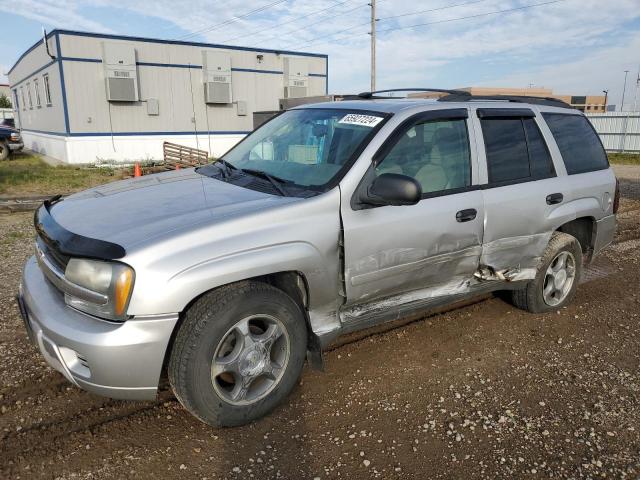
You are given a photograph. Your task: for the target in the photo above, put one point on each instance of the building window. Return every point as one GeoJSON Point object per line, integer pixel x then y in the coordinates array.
{"type": "Point", "coordinates": [24, 104]}
{"type": "Point", "coordinates": [29, 96]}
{"type": "Point", "coordinates": [16, 104]}
{"type": "Point", "coordinates": [47, 89]}
{"type": "Point", "coordinates": [36, 87]}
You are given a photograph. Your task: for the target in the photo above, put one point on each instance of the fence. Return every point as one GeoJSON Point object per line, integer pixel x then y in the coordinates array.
{"type": "Point", "coordinates": [6, 113]}
{"type": "Point", "coordinates": [619, 131]}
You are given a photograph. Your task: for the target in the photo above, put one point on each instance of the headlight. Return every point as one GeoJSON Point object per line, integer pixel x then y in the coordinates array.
{"type": "Point", "coordinates": [14, 137]}
{"type": "Point", "coordinates": [113, 280]}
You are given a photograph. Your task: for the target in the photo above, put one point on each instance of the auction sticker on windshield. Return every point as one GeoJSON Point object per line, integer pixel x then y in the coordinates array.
{"type": "Point", "coordinates": [363, 120]}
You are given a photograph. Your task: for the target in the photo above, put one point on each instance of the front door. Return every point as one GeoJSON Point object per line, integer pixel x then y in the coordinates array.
{"type": "Point", "coordinates": [433, 246]}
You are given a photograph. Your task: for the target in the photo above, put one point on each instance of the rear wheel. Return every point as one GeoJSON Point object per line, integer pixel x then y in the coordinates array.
{"type": "Point", "coordinates": [556, 278]}
{"type": "Point", "coordinates": [4, 151]}
{"type": "Point", "coordinates": [238, 353]}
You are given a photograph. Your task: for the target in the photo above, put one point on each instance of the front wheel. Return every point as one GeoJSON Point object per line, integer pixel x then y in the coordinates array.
{"type": "Point", "coordinates": [238, 353]}
{"type": "Point", "coordinates": [4, 151]}
{"type": "Point", "coordinates": [556, 278]}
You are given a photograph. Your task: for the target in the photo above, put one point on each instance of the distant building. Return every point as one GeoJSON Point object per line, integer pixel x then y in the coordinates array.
{"type": "Point", "coordinates": [109, 97]}
{"type": "Point", "coordinates": [585, 103]}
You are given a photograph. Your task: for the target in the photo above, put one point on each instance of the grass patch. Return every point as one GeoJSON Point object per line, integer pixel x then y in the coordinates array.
{"type": "Point", "coordinates": [29, 175]}
{"type": "Point", "coordinates": [624, 158]}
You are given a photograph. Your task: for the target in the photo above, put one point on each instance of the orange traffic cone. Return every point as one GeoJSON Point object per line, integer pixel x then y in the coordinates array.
{"type": "Point", "coordinates": [137, 171]}
{"type": "Point", "coordinates": [177, 166]}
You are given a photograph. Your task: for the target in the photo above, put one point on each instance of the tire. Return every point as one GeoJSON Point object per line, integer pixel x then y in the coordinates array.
{"type": "Point", "coordinates": [221, 346]}
{"type": "Point", "coordinates": [4, 151]}
{"type": "Point", "coordinates": [532, 297]}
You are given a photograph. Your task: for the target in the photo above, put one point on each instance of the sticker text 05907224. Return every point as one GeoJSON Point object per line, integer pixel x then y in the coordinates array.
{"type": "Point", "coordinates": [362, 120]}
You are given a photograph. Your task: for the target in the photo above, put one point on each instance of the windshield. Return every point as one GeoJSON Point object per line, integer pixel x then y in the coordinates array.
{"type": "Point", "coordinates": [307, 147]}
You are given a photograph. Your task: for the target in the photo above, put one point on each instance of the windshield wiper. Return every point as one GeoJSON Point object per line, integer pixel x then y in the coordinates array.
{"type": "Point", "coordinates": [274, 180]}
{"type": "Point", "coordinates": [227, 167]}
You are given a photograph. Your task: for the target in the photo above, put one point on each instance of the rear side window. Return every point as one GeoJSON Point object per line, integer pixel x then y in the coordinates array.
{"type": "Point", "coordinates": [578, 143]}
{"type": "Point", "coordinates": [516, 150]}
{"type": "Point", "coordinates": [539, 156]}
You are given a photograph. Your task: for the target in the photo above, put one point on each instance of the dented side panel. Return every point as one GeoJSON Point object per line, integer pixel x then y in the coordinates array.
{"type": "Point", "coordinates": [519, 224]}
{"type": "Point", "coordinates": [391, 250]}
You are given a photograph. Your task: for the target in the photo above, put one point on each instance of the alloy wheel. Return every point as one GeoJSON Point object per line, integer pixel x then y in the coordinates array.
{"type": "Point", "coordinates": [250, 360]}
{"type": "Point", "coordinates": [559, 279]}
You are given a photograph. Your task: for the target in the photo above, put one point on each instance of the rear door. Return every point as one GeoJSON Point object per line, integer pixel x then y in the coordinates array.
{"type": "Point", "coordinates": [521, 191]}
{"type": "Point", "coordinates": [391, 250]}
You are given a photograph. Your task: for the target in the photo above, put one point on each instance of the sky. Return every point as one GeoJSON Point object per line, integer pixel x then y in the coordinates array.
{"type": "Point", "coordinates": [572, 46]}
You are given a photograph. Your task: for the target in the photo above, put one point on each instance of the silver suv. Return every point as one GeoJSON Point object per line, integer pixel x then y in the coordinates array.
{"type": "Point", "coordinates": [327, 219]}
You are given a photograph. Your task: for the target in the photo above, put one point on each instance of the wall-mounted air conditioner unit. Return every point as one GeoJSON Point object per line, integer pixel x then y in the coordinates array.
{"type": "Point", "coordinates": [120, 72]}
{"type": "Point", "coordinates": [216, 74]}
{"type": "Point", "coordinates": [296, 77]}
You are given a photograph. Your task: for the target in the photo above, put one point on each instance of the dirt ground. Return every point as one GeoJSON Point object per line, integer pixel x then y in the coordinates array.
{"type": "Point", "coordinates": [485, 391]}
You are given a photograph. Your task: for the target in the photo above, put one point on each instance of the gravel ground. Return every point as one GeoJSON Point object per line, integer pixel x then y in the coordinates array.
{"type": "Point", "coordinates": [485, 391]}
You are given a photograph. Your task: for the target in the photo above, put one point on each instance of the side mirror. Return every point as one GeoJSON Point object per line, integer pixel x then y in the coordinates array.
{"type": "Point", "coordinates": [393, 189]}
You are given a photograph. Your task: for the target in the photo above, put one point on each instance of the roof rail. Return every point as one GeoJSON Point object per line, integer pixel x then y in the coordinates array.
{"type": "Point", "coordinates": [548, 101]}
{"type": "Point", "coordinates": [436, 90]}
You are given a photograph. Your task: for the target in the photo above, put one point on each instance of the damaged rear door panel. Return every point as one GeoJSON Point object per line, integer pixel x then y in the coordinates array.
{"type": "Point", "coordinates": [521, 192]}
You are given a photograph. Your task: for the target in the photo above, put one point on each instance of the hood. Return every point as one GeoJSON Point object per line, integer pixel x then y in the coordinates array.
{"type": "Point", "coordinates": [9, 129]}
{"type": "Point", "coordinates": [132, 211]}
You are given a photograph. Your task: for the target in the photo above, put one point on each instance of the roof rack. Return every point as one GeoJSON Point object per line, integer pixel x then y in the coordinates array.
{"type": "Point", "coordinates": [467, 97]}
{"type": "Point", "coordinates": [369, 95]}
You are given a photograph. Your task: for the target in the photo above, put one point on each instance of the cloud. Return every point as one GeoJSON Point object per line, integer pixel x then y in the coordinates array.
{"type": "Point", "coordinates": [54, 13]}
{"type": "Point", "coordinates": [600, 70]}
{"type": "Point", "coordinates": [573, 45]}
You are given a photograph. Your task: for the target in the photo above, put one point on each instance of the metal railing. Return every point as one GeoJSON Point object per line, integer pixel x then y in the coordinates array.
{"type": "Point", "coordinates": [619, 131]}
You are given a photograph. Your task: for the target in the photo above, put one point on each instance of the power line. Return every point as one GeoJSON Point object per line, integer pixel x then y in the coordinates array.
{"type": "Point", "coordinates": [432, 9]}
{"type": "Point", "coordinates": [446, 7]}
{"type": "Point", "coordinates": [524, 7]}
{"type": "Point", "coordinates": [231, 20]}
{"type": "Point", "coordinates": [496, 12]}
{"type": "Point", "coordinates": [304, 27]}
{"type": "Point", "coordinates": [287, 22]}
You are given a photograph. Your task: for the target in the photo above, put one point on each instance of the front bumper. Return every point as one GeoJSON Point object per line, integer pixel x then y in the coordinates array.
{"type": "Point", "coordinates": [117, 360]}
{"type": "Point", "coordinates": [15, 146]}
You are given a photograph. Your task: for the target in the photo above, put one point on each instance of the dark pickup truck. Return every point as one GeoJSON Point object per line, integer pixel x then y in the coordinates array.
{"type": "Point", "coordinates": [10, 140]}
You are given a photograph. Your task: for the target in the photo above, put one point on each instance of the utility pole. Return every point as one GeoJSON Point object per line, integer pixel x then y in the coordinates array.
{"type": "Point", "coordinates": [624, 89]}
{"type": "Point", "coordinates": [606, 97]}
{"type": "Point", "coordinates": [373, 45]}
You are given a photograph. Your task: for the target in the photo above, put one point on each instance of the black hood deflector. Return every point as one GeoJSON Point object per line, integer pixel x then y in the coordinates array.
{"type": "Point", "coordinates": [69, 243]}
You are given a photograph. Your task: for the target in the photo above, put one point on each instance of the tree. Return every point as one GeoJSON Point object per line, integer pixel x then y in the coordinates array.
{"type": "Point", "coordinates": [4, 101]}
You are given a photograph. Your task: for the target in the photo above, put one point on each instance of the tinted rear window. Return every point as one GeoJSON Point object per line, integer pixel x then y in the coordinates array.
{"type": "Point", "coordinates": [506, 145]}
{"type": "Point", "coordinates": [578, 143]}
{"type": "Point", "coordinates": [539, 156]}
{"type": "Point", "coordinates": [516, 150]}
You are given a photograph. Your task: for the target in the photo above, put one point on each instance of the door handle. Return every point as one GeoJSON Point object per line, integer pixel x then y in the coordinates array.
{"type": "Point", "coordinates": [466, 215]}
{"type": "Point", "coordinates": [554, 198]}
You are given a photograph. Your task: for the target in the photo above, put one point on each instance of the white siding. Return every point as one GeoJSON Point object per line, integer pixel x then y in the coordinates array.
{"type": "Point", "coordinates": [89, 111]}
{"type": "Point", "coordinates": [92, 120]}
{"type": "Point", "coordinates": [48, 118]}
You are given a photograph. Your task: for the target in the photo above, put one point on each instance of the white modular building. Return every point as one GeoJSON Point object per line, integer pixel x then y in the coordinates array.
{"type": "Point", "coordinates": [86, 97]}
